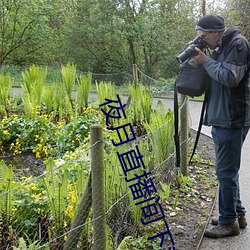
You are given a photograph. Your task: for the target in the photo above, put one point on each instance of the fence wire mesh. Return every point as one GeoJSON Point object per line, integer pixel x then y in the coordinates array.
{"type": "Point", "coordinates": [54, 209]}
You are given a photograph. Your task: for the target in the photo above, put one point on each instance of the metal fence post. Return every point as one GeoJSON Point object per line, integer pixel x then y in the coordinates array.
{"type": "Point", "coordinates": [98, 194]}
{"type": "Point", "coordinates": [184, 135]}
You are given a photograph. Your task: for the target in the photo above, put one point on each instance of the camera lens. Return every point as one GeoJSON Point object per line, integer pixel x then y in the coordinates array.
{"type": "Point", "coordinates": [190, 51]}
{"type": "Point", "coordinates": [187, 53]}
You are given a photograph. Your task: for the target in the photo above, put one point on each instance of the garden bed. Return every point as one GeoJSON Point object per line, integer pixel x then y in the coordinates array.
{"type": "Point", "coordinates": [39, 211]}
{"type": "Point", "coordinates": [187, 208]}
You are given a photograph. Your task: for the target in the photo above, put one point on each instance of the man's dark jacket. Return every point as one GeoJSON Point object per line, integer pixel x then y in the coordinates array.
{"type": "Point", "coordinates": [229, 90]}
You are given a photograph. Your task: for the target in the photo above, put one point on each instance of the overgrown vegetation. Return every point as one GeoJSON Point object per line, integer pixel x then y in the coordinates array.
{"type": "Point", "coordinates": [55, 128]}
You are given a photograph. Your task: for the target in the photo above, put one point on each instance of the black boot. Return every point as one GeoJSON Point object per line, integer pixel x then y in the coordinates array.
{"type": "Point", "coordinates": [221, 231]}
{"type": "Point", "coordinates": [241, 219]}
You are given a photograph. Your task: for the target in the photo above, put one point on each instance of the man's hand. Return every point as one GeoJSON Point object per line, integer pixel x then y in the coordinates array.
{"type": "Point", "coordinates": [200, 58]}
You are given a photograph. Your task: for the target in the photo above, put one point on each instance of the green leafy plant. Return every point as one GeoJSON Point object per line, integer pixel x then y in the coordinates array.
{"type": "Point", "coordinates": [43, 137]}
{"type": "Point", "coordinates": [140, 243]}
{"type": "Point", "coordinates": [6, 184]}
{"type": "Point", "coordinates": [62, 104]}
{"type": "Point", "coordinates": [33, 85]}
{"type": "Point", "coordinates": [48, 98]}
{"type": "Point", "coordinates": [141, 107]}
{"type": "Point", "coordinates": [161, 126]}
{"type": "Point", "coordinates": [56, 184]}
{"type": "Point", "coordinates": [68, 74]}
{"type": "Point", "coordinates": [106, 90]}
{"type": "Point", "coordinates": [6, 204]}
{"type": "Point", "coordinates": [30, 208]}
{"type": "Point", "coordinates": [141, 103]}
{"type": "Point", "coordinates": [5, 90]}
{"type": "Point", "coordinates": [58, 102]}
{"type": "Point", "coordinates": [83, 91]}
{"type": "Point", "coordinates": [22, 245]}
{"type": "Point", "coordinates": [176, 199]}
{"type": "Point", "coordinates": [183, 180]}
{"type": "Point", "coordinates": [165, 190]}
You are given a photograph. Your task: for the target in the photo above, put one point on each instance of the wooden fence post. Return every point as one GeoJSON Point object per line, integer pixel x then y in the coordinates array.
{"type": "Point", "coordinates": [98, 188]}
{"type": "Point", "coordinates": [135, 82]}
{"type": "Point", "coordinates": [135, 74]}
{"type": "Point", "coordinates": [80, 218]}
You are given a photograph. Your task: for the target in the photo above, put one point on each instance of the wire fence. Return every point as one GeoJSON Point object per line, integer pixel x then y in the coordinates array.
{"type": "Point", "coordinates": [57, 209]}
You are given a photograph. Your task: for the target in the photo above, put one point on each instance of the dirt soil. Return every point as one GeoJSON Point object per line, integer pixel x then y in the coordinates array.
{"type": "Point", "coordinates": [25, 164]}
{"type": "Point", "coordinates": [196, 198]}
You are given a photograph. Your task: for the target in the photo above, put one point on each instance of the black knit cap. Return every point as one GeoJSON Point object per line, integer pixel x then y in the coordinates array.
{"type": "Point", "coordinates": [210, 23]}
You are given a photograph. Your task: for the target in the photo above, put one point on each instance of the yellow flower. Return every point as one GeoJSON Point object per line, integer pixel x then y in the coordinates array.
{"type": "Point", "coordinates": [38, 155]}
{"type": "Point", "coordinates": [71, 194]}
{"type": "Point", "coordinates": [45, 151]}
{"type": "Point", "coordinates": [31, 187]}
{"type": "Point", "coordinates": [6, 132]}
{"type": "Point", "coordinates": [14, 209]}
{"type": "Point", "coordinates": [26, 178]}
{"type": "Point", "coordinates": [69, 211]}
{"type": "Point", "coordinates": [73, 199]}
{"type": "Point", "coordinates": [37, 196]}
{"type": "Point", "coordinates": [17, 152]}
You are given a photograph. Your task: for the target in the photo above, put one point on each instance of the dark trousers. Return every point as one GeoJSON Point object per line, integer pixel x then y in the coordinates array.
{"type": "Point", "coordinates": [228, 145]}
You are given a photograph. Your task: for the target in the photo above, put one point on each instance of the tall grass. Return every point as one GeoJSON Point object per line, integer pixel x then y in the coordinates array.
{"type": "Point", "coordinates": [48, 98]}
{"type": "Point", "coordinates": [83, 91]}
{"type": "Point", "coordinates": [5, 90]}
{"type": "Point", "coordinates": [33, 86]}
{"type": "Point", "coordinates": [141, 103]}
{"type": "Point", "coordinates": [62, 106]}
{"type": "Point", "coordinates": [161, 128]}
{"type": "Point", "coordinates": [105, 90]}
{"type": "Point", "coordinates": [68, 74]}
{"type": "Point", "coordinates": [6, 184]}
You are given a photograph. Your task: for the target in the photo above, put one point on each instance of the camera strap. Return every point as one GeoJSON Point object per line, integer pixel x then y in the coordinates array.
{"type": "Point", "coordinates": [176, 127]}
{"type": "Point", "coordinates": [199, 127]}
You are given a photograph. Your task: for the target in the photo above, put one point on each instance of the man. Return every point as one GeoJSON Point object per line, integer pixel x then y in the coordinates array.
{"type": "Point", "coordinates": [228, 112]}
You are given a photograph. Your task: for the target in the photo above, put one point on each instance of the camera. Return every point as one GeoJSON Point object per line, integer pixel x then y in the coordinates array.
{"type": "Point", "coordinates": [190, 51]}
